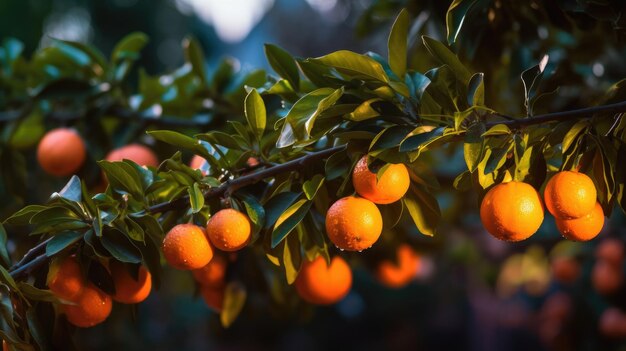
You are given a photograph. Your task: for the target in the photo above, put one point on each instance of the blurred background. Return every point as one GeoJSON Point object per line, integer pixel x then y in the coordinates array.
{"type": "Point", "coordinates": [471, 292]}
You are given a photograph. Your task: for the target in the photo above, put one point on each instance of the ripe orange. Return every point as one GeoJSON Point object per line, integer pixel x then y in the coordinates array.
{"type": "Point", "coordinates": [65, 280]}
{"type": "Point", "coordinates": [213, 273]}
{"type": "Point", "coordinates": [127, 289]}
{"type": "Point", "coordinates": [613, 323]}
{"type": "Point", "coordinates": [512, 211]}
{"type": "Point", "coordinates": [565, 269]}
{"type": "Point", "coordinates": [606, 278]}
{"type": "Point", "coordinates": [570, 195]}
{"type": "Point", "coordinates": [92, 307]}
{"type": "Point", "coordinates": [611, 250]}
{"type": "Point", "coordinates": [213, 297]}
{"type": "Point", "coordinates": [353, 223]}
{"type": "Point", "coordinates": [137, 153]}
{"type": "Point", "coordinates": [390, 187]}
{"type": "Point", "coordinates": [186, 247]}
{"type": "Point", "coordinates": [198, 162]}
{"type": "Point", "coordinates": [61, 152]}
{"type": "Point", "coordinates": [398, 274]}
{"type": "Point", "coordinates": [584, 228]}
{"type": "Point", "coordinates": [229, 230]}
{"type": "Point", "coordinates": [323, 284]}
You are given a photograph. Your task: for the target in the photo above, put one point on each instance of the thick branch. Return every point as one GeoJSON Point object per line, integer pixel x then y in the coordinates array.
{"type": "Point", "coordinates": [249, 179]}
{"type": "Point", "coordinates": [587, 112]}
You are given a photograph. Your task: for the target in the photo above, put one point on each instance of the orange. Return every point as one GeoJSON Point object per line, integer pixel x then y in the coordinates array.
{"type": "Point", "coordinates": [186, 247]}
{"type": "Point", "coordinates": [606, 278]}
{"type": "Point", "coordinates": [565, 270]}
{"type": "Point", "coordinates": [127, 289]}
{"type": "Point", "coordinates": [65, 280]}
{"type": "Point", "coordinates": [61, 152]}
{"type": "Point", "coordinates": [213, 273]}
{"type": "Point", "coordinates": [137, 153]}
{"type": "Point", "coordinates": [611, 250]}
{"type": "Point", "coordinates": [398, 274]}
{"type": "Point", "coordinates": [353, 223]}
{"type": "Point", "coordinates": [92, 307]}
{"type": "Point", "coordinates": [229, 230]}
{"type": "Point", "coordinates": [323, 284]}
{"type": "Point", "coordinates": [213, 297]}
{"type": "Point", "coordinates": [584, 228]}
{"type": "Point", "coordinates": [198, 162]}
{"type": "Point", "coordinates": [390, 187]}
{"type": "Point", "coordinates": [570, 195]}
{"type": "Point", "coordinates": [512, 211]}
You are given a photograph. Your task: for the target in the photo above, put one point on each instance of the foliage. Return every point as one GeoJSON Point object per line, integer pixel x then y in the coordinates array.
{"type": "Point", "coordinates": [306, 126]}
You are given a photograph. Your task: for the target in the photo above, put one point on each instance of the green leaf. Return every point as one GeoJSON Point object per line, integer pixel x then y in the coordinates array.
{"type": "Point", "coordinates": [354, 65]}
{"type": "Point", "coordinates": [455, 18]}
{"type": "Point", "coordinates": [288, 220]}
{"type": "Point", "coordinates": [415, 141]}
{"type": "Point", "coordinates": [278, 204]}
{"type": "Point", "coordinates": [573, 133]}
{"type": "Point", "coordinates": [255, 211]}
{"type": "Point", "coordinates": [473, 146]}
{"type": "Point", "coordinates": [120, 246]}
{"type": "Point", "coordinates": [194, 55]}
{"type": "Point", "coordinates": [337, 165]}
{"type": "Point", "coordinates": [35, 329]}
{"type": "Point", "coordinates": [301, 118]}
{"type": "Point", "coordinates": [4, 254]}
{"type": "Point", "coordinates": [7, 279]}
{"type": "Point", "coordinates": [364, 111]}
{"type": "Point", "coordinates": [292, 257]}
{"type": "Point", "coordinates": [417, 84]}
{"type": "Point", "coordinates": [389, 137]}
{"type": "Point", "coordinates": [23, 216]}
{"type": "Point", "coordinates": [35, 294]}
{"type": "Point", "coordinates": [283, 63]}
{"type": "Point", "coordinates": [531, 79]}
{"type": "Point", "coordinates": [61, 241]}
{"type": "Point", "coordinates": [440, 52]}
{"type": "Point", "coordinates": [476, 90]}
{"type": "Point", "coordinates": [122, 178]}
{"type": "Point", "coordinates": [397, 43]}
{"type": "Point", "coordinates": [423, 209]}
{"type": "Point", "coordinates": [72, 190]}
{"type": "Point", "coordinates": [196, 197]}
{"type": "Point", "coordinates": [129, 46]}
{"type": "Point", "coordinates": [234, 300]}
{"type": "Point", "coordinates": [311, 186]}
{"type": "Point", "coordinates": [254, 109]}
{"type": "Point", "coordinates": [498, 129]}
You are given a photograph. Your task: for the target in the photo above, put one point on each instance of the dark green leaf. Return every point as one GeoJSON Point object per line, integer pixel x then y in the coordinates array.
{"type": "Point", "coordinates": [473, 146]}
{"type": "Point", "coordinates": [476, 90]}
{"type": "Point", "coordinates": [424, 210]}
{"type": "Point", "coordinates": [194, 55]}
{"type": "Point", "coordinates": [283, 63]}
{"type": "Point", "coordinates": [129, 47]}
{"type": "Point", "coordinates": [288, 220]}
{"type": "Point", "coordinates": [455, 18]}
{"type": "Point", "coordinates": [120, 246]}
{"type": "Point", "coordinates": [72, 190]}
{"type": "Point", "coordinates": [278, 204]}
{"type": "Point", "coordinates": [440, 52]}
{"type": "Point", "coordinates": [311, 186]}
{"type": "Point", "coordinates": [196, 198]}
{"type": "Point", "coordinates": [254, 109]}
{"type": "Point", "coordinates": [61, 241]}
{"type": "Point", "coordinates": [354, 65]}
{"type": "Point", "coordinates": [23, 216]}
{"type": "Point", "coordinates": [397, 43]}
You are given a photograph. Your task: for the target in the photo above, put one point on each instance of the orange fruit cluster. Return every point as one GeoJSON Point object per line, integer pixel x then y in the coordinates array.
{"type": "Point", "coordinates": [571, 199]}
{"type": "Point", "coordinates": [88, 305]}
{"type": "Point", "coordinates": [61, 152]}
{"type": "Point", "coordinates": [190, 247]}
{"type": "Point", "coordinates": [513, 211]}
{"type": "Point", "coordinates": [323, 284]}
{"type": "Point", "coordinates": [355, 223]}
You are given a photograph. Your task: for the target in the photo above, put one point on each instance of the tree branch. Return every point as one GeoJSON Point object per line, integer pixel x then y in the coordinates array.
{"type": "Point", "coordinates": [248, 179]}
{"type": "Point", "coordinates": [587, 112]}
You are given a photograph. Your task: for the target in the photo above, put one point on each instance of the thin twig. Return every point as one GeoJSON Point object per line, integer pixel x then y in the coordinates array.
{"type": "Point", "coordinates": [248, 179]}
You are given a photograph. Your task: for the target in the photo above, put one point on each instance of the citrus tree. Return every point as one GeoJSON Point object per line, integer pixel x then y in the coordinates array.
{"type": "Point", "coordinates": [273, 184]}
